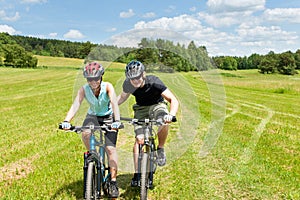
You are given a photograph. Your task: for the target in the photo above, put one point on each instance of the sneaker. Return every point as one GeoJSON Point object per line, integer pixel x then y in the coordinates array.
{"type": "Point", "coordinates": [113, 190]}
{"type": "Point", "coordinates": [150, 184]}
{"type": "Point", "coordinates": [161, 157]}
{"type": "Point", "coordinates": [134, 180]}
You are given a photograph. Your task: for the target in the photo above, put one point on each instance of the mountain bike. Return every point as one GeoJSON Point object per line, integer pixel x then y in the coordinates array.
{"type": "Point", "coordinates": [96, 170]}
{"type": "Point", "coordinates": [147, 153]}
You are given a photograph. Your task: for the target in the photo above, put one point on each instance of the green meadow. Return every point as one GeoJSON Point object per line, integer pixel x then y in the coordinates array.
{"type": "Point", "coordinates": [237, 135]}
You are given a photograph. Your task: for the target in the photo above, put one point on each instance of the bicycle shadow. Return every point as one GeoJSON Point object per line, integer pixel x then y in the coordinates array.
{"type": "Point", "coordinates": [126, 191]}
{"type": "Point", "coordinates": [73, 189]}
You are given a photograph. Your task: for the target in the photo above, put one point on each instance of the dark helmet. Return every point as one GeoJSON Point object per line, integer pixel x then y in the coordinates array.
{"type": "Point", "coordinates": [134, 69]}
{"type": "Point", "coordinates": [93, 70]}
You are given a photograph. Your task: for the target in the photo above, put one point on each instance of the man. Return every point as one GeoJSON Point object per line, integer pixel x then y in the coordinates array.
{"type": "Point", "coordinates": [103, 109]}
{"type": "Point", "coordinates": [150, 93]}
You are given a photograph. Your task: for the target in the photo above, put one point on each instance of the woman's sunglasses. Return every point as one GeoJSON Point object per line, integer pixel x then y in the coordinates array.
{"type": "Point", "coordinates": [93, 79]}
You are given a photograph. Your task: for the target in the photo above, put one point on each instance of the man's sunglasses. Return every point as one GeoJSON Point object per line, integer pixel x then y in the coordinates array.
{"type": "Point", "coordinates": [93, 79]}
{"type": "Point", "coordinates": [137, 78]}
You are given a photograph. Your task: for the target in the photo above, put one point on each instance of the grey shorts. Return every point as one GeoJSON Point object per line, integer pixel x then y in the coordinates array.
{"type": "Point", "coordinates": [155, 111]}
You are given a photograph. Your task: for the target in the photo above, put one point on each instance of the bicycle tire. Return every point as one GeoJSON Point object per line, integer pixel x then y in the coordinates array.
{"type": "Point", "coordinates": [91, 182]}
{"type": "Point", "coordinates": [144, 176]}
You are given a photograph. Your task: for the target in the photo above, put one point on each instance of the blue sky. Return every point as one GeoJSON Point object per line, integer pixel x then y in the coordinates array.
{"type": "Point", "coordinates": [225, 27]}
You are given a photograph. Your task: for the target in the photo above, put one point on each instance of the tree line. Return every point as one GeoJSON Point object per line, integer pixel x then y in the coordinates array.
{"type": "Point", "coordinates": [159, 54]}
{"type": "Point", "coordinates": [163, 55]}
{"type": "Point", "coordinates": [284, 63]}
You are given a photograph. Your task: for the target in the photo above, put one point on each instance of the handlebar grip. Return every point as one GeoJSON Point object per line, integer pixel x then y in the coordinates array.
{"type": "Point", "coordinates": [174, 119]}
{"type": "Point", "coordinates": [71, 128]}
{"type": "Point", "coordinates": [121, 126]}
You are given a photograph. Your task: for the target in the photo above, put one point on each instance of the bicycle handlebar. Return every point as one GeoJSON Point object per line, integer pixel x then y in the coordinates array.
{"type": "Point", "coordinates": [90, 127]}
{"type": "Point", "coordinates": [141, 121]}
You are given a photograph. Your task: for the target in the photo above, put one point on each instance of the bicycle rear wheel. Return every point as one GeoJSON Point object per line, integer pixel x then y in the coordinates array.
{"type": "Point", "coordinates": [91, 188]}
{"type": "Point", "coordinates": [145, 168]}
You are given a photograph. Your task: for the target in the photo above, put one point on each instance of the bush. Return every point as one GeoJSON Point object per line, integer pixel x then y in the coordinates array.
{"type": "Point", "coordinates": [16, 56]}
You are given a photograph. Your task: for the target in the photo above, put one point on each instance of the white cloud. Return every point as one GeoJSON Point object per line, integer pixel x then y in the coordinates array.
{"type": "Point", "coordinates": [111, 29]}
{"type": "Point", "coordinates": [291, 15]}
{"type": "Point", "coordinates": [132, 37]}
{"type": "Point", "coordinates": [4, 17]}
{"type": "Point", "coordinates": [256, 39]}
{"type": "Point", "coordinates": [149, 15]}
{"type": "Point", "coordinates": [251, 29]}
{"type": "Point", "coordinates": [263, 34]}
{"type": "Point", "coordinates": [180, 23]}
{"type": "Point", "coordinates": [235, 5]}
{"type": "Point", "coordinates": [246, 38]}
{"type": "Point", "coordinates": [127, 14]}
{"type": "Point", "coordinates": [7, 29]}
{"type": "Point", "coordinates": [53, 35]}
{"type": "Point", "coordinates": [226, 13]}
{"type": "Point", "coordinates": [73, 34]}
{"type": "Point", "coordinates": [220, 20]}
{"type": "Point", "coordinates": [189, 27]}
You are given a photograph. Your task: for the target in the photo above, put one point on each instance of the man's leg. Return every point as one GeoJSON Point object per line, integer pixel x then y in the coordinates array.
{"type": "Point", "coordinates": [162, 137]}
{"type": "Point", "coordinates": [162, 134]}
{"type": "Point", "coordinates": [139, 140]}
{"type": "Point", "coordinates": [159, 111]}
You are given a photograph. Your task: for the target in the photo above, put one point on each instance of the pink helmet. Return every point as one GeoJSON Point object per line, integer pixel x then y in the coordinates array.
{"type": "Point", "coordinates": [93, 70]}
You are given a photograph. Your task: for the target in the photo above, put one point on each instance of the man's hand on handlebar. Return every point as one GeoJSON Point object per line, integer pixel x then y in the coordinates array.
{"type": "Point", "coordinates": [169, 118]}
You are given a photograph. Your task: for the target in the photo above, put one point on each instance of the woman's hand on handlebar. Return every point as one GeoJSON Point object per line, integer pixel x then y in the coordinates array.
{"type": "Point", "coordinates": [117, 125]}
{"type": "Point", "coordinates": [65, 125]}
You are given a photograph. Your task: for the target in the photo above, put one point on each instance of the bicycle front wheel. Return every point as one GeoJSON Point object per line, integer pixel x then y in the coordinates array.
{"type": "Point", "coordinates": [105, 176]}
{"type": "Point", "coordinates": [145, 167]}
{"type": "Point", "coordinates": [91, 182]}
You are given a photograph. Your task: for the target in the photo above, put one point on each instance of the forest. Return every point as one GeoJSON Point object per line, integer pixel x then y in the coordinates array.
{"type": "Point", "coordinates": [17, 51]}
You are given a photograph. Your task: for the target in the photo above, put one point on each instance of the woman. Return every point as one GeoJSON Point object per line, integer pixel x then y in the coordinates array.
{"type": "Point", "coordinates": [103, 109]}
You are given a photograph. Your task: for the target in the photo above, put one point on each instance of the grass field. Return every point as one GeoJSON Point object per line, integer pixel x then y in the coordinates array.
{"type": "Point", "coordinates": [237, 136]}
